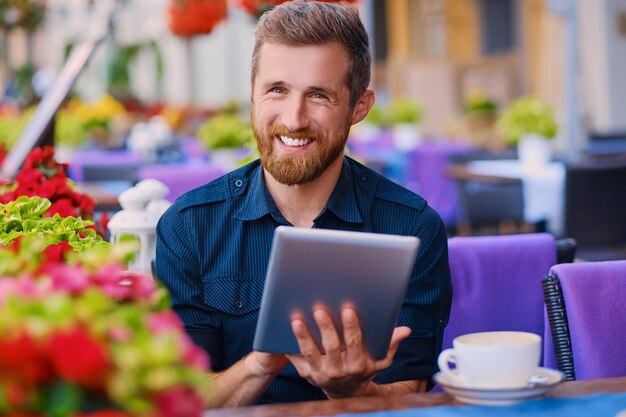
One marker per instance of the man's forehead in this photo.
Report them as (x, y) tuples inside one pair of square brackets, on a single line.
[(329, 59)]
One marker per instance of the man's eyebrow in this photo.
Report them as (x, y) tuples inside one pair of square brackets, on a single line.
[(272, 84), (324, 90)]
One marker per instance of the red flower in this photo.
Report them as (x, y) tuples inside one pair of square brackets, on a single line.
[(188, 18), (24, 359), (63, 207), (258, 7), (15, 245), (76, 356), (56, 252), (42, 176), (104, 413)]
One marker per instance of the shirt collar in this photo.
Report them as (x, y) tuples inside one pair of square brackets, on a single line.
[(342, 202)]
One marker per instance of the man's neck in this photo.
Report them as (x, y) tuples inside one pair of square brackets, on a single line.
[(300, 204)]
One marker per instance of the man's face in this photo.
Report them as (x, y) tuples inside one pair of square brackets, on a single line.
[(301, 112)]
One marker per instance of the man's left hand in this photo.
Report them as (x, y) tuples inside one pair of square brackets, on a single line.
[(340, 372)]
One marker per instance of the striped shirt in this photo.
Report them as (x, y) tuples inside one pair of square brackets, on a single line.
[(213, 247)]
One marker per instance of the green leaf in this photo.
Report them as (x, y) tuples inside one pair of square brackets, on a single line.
[(62, 399)]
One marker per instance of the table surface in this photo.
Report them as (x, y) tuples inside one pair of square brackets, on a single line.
[(398, 402)]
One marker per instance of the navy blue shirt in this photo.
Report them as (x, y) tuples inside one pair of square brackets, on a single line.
[(213, 247)]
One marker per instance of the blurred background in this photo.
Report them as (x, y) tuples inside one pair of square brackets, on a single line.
[(458, 82)]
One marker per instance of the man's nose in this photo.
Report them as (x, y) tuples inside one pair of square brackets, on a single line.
[(294, 115)]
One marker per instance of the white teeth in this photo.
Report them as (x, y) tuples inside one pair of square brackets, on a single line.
[(294, 142)]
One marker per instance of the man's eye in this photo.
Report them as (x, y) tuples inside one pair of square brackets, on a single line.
[(318, 96), (277, 90)]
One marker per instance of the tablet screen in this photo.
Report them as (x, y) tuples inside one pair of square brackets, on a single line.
[(332, 268)]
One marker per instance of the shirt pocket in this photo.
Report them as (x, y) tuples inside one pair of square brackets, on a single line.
[(233, 295)]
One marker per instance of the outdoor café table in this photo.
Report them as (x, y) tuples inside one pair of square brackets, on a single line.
[(542, 187), (596, 398)]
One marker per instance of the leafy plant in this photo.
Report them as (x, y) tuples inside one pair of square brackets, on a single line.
[(25, 216), (225, 131), (69, 130), (378, 116), (405, 110), (527, 115), (478, 103)]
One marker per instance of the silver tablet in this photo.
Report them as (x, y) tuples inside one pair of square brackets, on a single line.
[(309, 267)]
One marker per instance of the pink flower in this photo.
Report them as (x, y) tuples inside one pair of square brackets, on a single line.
[(123, 285), (119, 334), (141, 287), (178, 402), (66, 277), (194, 355), (163, 321)]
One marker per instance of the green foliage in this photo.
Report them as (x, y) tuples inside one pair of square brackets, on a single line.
[(400, 110), (479, 104), (405, 110), (25, 217), (378, 116), (10, 129), (69, 130), (119, 77), (225, 131), (527, 115)]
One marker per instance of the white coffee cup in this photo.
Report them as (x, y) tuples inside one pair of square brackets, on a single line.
[(493, 360)]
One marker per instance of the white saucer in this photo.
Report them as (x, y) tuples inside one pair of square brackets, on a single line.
[(542, 381)]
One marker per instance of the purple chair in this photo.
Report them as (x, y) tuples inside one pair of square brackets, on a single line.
[(104, 165), (496, 283), (426, 173), (180, 178), (193, 149), (585, 335)]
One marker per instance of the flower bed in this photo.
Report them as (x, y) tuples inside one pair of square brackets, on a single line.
[(79, 334)]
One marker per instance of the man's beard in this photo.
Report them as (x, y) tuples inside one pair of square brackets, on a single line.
[(291, 169)]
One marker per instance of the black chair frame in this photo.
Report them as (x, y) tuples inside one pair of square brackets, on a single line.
[(559, 326)]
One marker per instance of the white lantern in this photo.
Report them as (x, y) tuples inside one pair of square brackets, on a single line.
[(134, 222)]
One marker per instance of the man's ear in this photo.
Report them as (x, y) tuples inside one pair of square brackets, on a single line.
[(363, 106)]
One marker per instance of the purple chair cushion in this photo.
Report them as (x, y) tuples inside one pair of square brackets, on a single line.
[(594, 295), (180, 178), (496, 283), (427, 175)]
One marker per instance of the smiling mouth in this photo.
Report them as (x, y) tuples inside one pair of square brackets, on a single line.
[(294, 142)]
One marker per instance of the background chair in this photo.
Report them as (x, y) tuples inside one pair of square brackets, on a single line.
[(585, 333), (496, 284), (180, 178), (111, 173), (488, 206), (594, 207)]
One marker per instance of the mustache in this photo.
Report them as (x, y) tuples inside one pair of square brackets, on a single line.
[(281, 130)]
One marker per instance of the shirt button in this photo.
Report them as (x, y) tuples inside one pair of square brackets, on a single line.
[(363, 177), (238, 183), (239, 304)]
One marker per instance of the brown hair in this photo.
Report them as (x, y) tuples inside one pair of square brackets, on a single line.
[(315, 23)]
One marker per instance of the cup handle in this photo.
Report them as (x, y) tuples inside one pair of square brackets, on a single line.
[(445, 358)]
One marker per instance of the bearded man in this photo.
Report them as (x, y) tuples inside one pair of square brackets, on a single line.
[(310, 76)]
